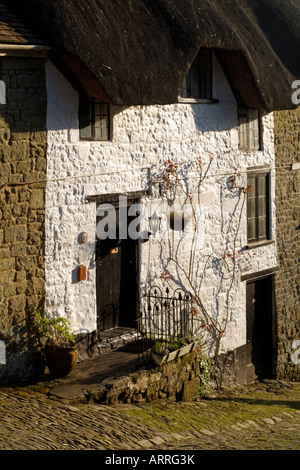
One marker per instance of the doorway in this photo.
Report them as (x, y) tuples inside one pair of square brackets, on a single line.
[(259, 328), (117, 278)]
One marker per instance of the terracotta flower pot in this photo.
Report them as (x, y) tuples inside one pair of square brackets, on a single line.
[(60, 360)]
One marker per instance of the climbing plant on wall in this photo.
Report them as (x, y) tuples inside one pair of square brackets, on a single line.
[(180, 188)]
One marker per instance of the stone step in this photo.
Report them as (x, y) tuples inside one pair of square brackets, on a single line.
[(115, 339)]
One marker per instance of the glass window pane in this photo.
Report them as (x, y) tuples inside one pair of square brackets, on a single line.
[(101, 128), (85, 130), (193, 81), (93, 119), (251, 140), (262, 206), (205, 73), (198, 82), (253, 117), (251, 208), (97, 106), (251, 230), (257, 208), (254, 128), (249, 129), (252, 187), (256, 144), (243, 129), (101, 109), (195, 86), (184, 93), (85, 114), (262, 228), (85, 109), (101, 121), (243, 132), (262, 185)]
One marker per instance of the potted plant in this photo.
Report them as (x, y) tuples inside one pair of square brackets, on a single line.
[(167, 350), (56, 340)]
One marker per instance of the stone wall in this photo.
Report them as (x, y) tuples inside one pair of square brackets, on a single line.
[(176, 380), (22, 209), (287, 280)]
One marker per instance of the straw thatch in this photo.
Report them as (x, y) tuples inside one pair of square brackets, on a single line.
[(138, 51)]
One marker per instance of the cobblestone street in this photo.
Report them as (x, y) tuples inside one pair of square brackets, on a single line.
[(264, 416), (149, 230)]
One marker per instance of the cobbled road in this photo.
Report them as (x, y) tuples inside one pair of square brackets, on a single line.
[(264, 418)]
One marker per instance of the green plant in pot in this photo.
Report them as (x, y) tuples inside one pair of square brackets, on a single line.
[(162, 347), (56, 339)]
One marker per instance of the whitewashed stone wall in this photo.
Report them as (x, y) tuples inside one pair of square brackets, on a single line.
[(145, 137)]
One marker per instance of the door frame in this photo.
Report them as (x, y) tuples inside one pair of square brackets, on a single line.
[(268, 274), (113, 198)]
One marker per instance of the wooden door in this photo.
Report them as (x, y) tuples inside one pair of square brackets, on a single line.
[(259, 329), (116, 281)]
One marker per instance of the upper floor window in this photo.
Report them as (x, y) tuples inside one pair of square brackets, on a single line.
[(258, 214), (249, 129), (198, 82), (93, 119)]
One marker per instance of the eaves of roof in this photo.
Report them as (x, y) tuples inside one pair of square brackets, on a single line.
[(16, 36)]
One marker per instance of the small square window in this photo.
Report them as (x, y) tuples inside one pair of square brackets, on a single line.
[(198, 82), (93, 119), (249, 129), (258, 217)]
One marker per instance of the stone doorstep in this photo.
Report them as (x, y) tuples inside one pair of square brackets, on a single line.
[(108, 387), (114, 342)]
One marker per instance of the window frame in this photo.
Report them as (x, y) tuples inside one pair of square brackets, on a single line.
[(202, 98), (92, 103), (259, 239), (244, 113)]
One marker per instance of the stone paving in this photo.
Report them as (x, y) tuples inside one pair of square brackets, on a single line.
[(33, 419), (245, 435), (89, 375)]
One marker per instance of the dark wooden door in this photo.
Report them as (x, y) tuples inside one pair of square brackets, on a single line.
[(259, 329), (116, 281)]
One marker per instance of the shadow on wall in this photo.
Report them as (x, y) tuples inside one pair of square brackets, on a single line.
[(23, 142), (218, 116), (20, 357)]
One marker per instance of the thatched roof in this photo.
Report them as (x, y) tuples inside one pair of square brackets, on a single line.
[(139, 51), (13, 31)]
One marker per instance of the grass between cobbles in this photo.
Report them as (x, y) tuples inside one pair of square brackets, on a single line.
[(218, 409)]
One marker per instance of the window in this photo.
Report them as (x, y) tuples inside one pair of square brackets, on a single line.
[(93, 119), (249, 129), (198, 82), (258, 218)]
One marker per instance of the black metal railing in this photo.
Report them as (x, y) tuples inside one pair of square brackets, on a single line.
[(165, 315)]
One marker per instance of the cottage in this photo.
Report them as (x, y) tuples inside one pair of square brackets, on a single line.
[(138, 166)]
